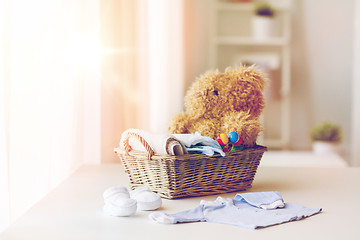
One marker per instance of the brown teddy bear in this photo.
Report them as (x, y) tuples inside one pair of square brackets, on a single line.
[(224, 102)]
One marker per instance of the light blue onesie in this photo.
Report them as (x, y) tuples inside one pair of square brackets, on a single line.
[(248, 210)]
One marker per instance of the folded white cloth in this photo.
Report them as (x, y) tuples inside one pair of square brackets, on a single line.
[(120, 203), (160, 143)]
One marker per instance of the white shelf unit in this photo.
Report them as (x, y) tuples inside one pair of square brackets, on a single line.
[(230, 40), (231, 36)]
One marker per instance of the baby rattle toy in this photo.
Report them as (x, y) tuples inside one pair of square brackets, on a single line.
[(223, 140), (233, 139)]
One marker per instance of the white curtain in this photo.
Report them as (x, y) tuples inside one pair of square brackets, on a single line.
[(143, 70), (56, 110), (4, 180), (49, 97), (165, 61)]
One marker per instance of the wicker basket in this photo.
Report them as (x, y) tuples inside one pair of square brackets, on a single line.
[(190, 175)]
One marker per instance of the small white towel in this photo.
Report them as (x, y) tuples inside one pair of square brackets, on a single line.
[(160, 143)]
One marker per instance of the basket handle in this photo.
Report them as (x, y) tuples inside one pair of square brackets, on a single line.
[(145, 144)]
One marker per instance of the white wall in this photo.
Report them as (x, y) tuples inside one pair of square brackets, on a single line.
[(196, 34), (322, 62), (321, 67), (355, 150)]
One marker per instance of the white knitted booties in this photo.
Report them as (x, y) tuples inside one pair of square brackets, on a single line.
[(146, 200), (120, 203)]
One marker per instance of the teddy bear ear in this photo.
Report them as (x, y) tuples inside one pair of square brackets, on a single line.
[(256, 76), (210, 74)]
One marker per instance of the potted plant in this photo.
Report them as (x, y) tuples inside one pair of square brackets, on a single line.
[(263, 21), (326, 138)]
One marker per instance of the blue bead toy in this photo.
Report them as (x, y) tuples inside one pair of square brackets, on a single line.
[(235, 139)]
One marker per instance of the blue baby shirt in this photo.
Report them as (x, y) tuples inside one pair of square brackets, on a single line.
[(195, 143), (248, 210)]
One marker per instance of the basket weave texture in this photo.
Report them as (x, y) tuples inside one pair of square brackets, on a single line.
[(190, 175)]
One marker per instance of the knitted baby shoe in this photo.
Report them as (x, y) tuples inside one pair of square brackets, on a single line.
[(118, 202), (146, 200)]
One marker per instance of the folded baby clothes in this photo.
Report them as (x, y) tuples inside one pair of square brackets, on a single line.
[(160, 143), (239, 212), (196, 143)]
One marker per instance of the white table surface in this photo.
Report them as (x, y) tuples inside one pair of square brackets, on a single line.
[(74, 209), (301, 159)]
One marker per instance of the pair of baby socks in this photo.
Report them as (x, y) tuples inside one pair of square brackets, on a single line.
[(119, 202)]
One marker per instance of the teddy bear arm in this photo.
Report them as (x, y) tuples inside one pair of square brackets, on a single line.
[(180, 123), (245, 126)]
